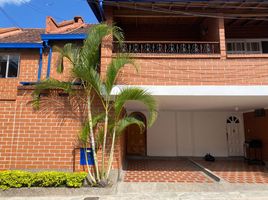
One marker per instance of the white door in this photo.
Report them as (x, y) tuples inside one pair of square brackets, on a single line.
[(233, 136)]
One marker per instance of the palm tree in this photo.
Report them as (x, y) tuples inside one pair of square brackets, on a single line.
[(112, 121)]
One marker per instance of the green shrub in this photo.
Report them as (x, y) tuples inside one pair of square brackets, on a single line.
[(75, 179), (17, 179), (50, 179)]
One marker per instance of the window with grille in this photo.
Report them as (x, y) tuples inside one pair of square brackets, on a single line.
[(246, 47)]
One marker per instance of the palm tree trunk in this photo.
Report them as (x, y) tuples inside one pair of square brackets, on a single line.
[(111, 157), (104, 140), (92, 139), (88, 169)]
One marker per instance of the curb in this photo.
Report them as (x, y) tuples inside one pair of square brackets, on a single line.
[(207, 171)]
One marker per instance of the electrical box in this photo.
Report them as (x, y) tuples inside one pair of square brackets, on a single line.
[(86, 152)]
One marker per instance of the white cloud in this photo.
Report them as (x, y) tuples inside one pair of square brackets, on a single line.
[(16, 2)]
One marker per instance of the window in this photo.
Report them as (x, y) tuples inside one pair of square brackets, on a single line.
[(9, 66), (264, 45), (246, 47), (232, 119)]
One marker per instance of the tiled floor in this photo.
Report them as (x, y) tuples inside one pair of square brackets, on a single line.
[(237, 171), (163, 171)]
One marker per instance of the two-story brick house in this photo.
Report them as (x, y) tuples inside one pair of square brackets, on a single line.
[(206, 64), (204, 61)]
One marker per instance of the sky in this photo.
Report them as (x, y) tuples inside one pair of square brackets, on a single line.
[(32, 13)]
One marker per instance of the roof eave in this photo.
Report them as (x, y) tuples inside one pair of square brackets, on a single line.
[(96, 7), (80, 36), (21, 45)]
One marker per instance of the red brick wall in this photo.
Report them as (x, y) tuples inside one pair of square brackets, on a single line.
[(221, 69), (198, 71), (42, 139), (29, 60)]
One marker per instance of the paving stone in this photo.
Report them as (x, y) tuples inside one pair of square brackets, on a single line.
[(237, 171), (164, 171)]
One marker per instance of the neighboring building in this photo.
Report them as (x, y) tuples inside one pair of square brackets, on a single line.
[(205, 62), (30, 139)]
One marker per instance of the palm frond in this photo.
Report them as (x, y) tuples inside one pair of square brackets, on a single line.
[(114, 67), (123, 123), (47, 85), (90, 53), (97, 119), (99, 137), (89, 77), (84, 134), (140, 95), (69, 51)]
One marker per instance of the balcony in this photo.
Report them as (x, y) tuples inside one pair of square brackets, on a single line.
[(168, 47)]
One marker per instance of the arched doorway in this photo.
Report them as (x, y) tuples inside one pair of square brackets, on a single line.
[(136, 143), (233, 136)]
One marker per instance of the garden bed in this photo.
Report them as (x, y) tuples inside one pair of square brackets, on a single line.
[(18, 179)]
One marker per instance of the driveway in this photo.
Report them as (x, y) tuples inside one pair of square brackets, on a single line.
[(163, 170), (237, 171)]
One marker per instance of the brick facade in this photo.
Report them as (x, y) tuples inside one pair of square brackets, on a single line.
[(47, 139), (187, 69), (44, 139), (196, 71)]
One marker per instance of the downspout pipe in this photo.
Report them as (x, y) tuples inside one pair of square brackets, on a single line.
[(49, 59), (101, 10), (40, 64)]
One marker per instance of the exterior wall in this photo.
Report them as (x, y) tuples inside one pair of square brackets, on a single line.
[(196, 71), (44, 139), (28, 68), (181, 69), (191, 133), (257, 128)]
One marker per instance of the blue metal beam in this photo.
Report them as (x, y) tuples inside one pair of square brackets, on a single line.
[(46, 37), (21, 45)]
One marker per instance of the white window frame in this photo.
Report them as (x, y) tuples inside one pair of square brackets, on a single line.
[(245, 41), (7, 66)]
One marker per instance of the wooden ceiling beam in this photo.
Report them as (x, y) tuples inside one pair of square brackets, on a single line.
[(246, 22), (231, 22)]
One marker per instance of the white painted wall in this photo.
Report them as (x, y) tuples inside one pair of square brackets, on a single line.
[(181, 133), (161, 137)]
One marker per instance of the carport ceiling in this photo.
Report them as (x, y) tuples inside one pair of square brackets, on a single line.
[(216, 103)]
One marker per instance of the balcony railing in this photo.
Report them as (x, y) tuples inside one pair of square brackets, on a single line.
[(167, 47)]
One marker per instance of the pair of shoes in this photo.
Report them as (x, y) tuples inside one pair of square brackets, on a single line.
[(209, 157)]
